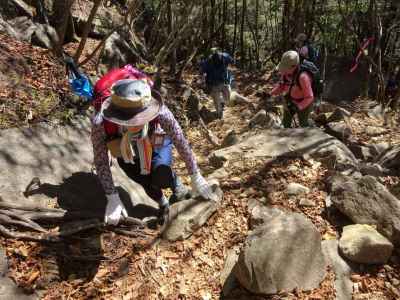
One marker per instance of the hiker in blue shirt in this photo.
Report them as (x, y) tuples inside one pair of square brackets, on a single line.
[(218, 78)]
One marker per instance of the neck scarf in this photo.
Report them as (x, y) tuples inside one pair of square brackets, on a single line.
[(135, 136)]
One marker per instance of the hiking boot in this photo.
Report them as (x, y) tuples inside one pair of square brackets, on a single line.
[(181, 192)]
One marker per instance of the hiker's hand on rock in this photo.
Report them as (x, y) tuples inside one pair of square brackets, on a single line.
[(202, 187), (114, 210)]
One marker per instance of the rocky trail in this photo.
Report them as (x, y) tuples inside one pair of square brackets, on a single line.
[(290, 200), (266, 187)]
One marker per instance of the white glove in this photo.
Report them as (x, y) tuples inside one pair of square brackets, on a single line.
[(202, 187), (115, 208)]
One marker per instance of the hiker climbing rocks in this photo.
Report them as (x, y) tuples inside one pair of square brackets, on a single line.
[(305, 49), (297, 83), (218, 78), (136, 127)]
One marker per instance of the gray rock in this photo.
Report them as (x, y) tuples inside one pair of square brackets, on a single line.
[(376, 112), (259, 119), (260, 214), (338, 115), (230, 139), (362, 152), (282, 255), (62, 158), (390, 159), (14, 8), (306, 202), (187, 216), (296, 142), (7, 28), (380, 148), (118, 52), (375, 131), (363, 244), (237, 99), (44, 36), (296, 189), (366, 201), (342, 269), (339, 130), (23, 27), (8, 290), (265, 120), (227, 278), (375, 170)]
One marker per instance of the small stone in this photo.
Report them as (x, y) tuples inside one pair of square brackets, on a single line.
[(306, 202), (363, 244), (296, 189), (259, 118), (388, 268), (356, 288), (230, 139), (395, 282)]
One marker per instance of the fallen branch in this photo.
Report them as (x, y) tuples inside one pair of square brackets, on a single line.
[(6, 220), (32, 225), (209, 135)]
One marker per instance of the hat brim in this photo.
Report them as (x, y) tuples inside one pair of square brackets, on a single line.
[(111, 114)]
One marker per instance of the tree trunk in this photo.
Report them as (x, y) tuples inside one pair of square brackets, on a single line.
[(235, 29), (86, 29), (242, 45), (63, 11)]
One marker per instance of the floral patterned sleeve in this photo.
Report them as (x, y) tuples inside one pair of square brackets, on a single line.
[(172, 128), (101, 160)]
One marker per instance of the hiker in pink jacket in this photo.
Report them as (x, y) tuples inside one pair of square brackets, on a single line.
[(297, 86)]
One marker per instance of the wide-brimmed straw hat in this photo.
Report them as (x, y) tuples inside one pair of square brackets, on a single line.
[(131, 103), (289, 60)]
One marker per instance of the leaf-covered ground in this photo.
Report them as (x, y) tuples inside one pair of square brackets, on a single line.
[(109, 266)]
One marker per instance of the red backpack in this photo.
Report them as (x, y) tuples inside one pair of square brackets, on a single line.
[(102, 89)]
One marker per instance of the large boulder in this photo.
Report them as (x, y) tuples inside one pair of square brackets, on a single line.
[(187, 216), (23, 27), (282, 255), (363, 244), (62, 158), (45, 36), (342, 269), (227, 278), (339, 130), (11, 9), (296, 142), (7, 28), (118, 52), (367, 201), (390, 159)]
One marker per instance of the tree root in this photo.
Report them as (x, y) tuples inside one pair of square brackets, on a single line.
[(71, 222)]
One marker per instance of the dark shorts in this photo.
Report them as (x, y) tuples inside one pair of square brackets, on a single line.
[(161, 176)]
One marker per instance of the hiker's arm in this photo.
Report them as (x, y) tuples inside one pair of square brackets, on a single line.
[(172, 128), (101, 160), (281, 87), (306, 87)]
